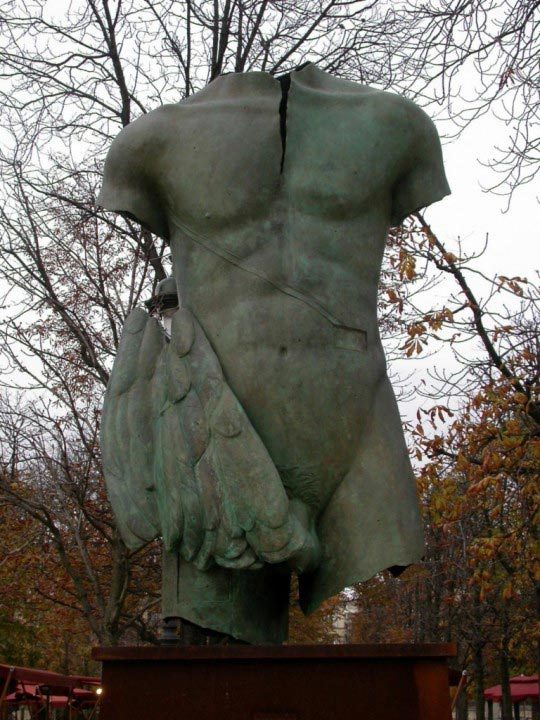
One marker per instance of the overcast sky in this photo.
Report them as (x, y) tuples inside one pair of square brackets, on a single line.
[(470, 213)]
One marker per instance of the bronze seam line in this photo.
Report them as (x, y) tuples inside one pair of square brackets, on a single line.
[(233, 259)]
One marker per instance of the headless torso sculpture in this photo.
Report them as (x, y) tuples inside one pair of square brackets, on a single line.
[(265, 438)]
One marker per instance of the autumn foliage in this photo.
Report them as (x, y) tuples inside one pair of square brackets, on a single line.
[(476, 445), (70, 274)]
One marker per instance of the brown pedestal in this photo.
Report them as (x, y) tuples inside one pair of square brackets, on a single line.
[(316, 682)]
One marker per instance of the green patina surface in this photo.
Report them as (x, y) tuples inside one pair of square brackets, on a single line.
[(265, 438)]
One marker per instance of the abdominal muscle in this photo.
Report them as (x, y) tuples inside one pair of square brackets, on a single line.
[(307, 385)]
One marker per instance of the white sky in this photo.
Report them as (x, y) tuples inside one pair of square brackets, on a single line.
[(470, 213)]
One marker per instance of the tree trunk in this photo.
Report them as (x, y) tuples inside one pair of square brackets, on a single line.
[(504, 660), (65, 665), (478, 660), (535, 702), (462, 706)]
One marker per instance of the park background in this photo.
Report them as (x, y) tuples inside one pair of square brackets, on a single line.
[(458, 310)]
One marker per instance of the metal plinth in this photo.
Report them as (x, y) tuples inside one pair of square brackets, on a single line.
[(317, 682)]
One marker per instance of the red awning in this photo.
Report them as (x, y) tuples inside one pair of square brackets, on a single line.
[(522, 687), (18, 698), (27, 686), (44, 677), (83, 698), (79, 698)]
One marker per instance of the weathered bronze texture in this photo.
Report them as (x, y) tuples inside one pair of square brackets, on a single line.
[(371, 682), (265, 437)]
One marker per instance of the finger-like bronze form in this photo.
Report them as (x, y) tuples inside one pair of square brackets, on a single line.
[(183, 460)]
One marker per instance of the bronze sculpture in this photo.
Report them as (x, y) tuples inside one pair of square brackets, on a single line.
[(264, 437)]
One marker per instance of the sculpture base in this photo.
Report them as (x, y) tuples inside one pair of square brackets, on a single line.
[(316, 682)]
